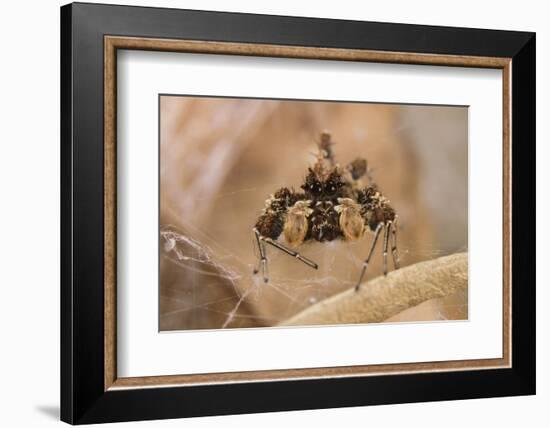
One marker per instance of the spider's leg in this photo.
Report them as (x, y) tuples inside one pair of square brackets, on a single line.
[(367, 260), (262, 262), (394, 253), (290, 252), (385, 253), (260, 253)]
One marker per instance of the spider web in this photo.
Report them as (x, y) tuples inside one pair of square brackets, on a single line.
[(210, 286), (229, 291)]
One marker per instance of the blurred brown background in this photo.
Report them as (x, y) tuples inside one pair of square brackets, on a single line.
[(221, 158)]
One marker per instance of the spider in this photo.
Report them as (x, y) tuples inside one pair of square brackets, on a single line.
[(333, 204)]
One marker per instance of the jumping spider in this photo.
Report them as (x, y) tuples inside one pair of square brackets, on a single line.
[(334, 204)]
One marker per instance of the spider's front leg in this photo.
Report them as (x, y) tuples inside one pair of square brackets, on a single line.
[(285, 212), (394, 253), (378, 214), (353, 222), (284, 249), (371, 251), (263, 255), (389, 228), (262, 261)]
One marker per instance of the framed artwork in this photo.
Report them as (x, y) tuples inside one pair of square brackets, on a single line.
[(265, 213)]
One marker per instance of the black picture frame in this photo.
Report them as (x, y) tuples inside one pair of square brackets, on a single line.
[(83, 396)]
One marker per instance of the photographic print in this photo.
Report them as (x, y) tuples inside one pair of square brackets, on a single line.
[(277, 212), (322, 200)]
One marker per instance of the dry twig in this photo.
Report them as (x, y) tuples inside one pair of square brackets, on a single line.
[(384, 297)]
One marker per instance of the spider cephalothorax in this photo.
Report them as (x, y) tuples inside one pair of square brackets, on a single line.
[(334, 204)]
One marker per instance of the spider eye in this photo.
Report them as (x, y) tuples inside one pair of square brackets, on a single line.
[(315, 188), (332, 188)]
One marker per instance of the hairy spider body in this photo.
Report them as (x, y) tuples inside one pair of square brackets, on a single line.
[(334, 204), (323, 223)]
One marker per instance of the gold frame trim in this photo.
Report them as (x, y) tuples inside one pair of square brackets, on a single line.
[(112, 43)]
